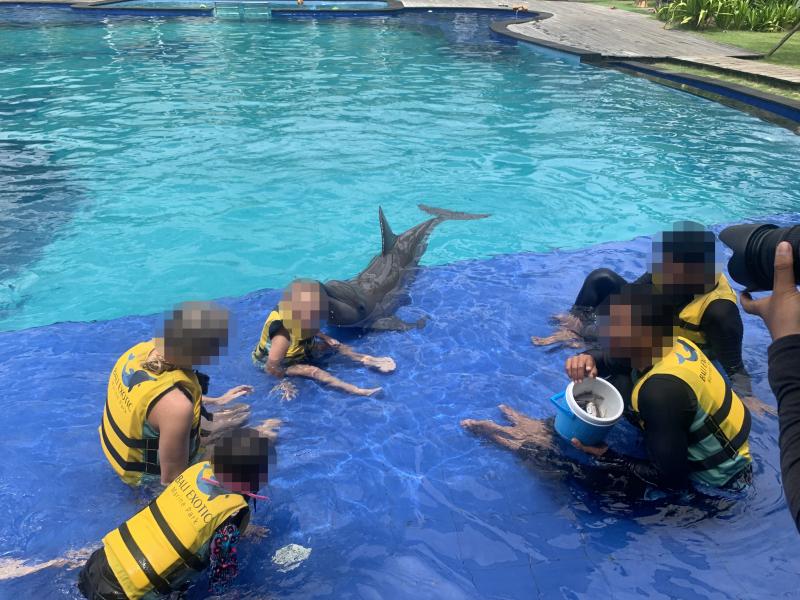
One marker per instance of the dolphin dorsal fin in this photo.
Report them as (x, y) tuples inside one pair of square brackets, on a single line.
[(388, 237)]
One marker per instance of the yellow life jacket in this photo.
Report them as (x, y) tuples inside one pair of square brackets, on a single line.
[(299, 349), (718, 436), (131, 392), (165, 545), (689, 318)]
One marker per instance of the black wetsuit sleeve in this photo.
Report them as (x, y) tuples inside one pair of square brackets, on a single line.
[(784, 379), (723, 329), (667, 407), (644, 278)]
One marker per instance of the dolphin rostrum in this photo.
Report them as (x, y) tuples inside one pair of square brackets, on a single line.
[(370, 298)]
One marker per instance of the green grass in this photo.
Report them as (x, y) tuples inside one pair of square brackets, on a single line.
[(786, 92), (623, 5), (788, 54)]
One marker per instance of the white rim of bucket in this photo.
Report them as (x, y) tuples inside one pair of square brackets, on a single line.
[(587, 418)]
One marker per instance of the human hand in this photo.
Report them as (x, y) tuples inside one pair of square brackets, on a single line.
[(256, 531), (580, 366), (286, 389), (332, 342), (596, 451), (384, 364), (269, 428), (234, 393), (781, 310)]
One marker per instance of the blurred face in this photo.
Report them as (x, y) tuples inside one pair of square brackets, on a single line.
[(241, 461), (684, 277), (693, 271), (305, 308), (625, 337), (194, 333)]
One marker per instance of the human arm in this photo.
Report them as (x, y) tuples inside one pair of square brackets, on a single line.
[(723, 329), (279, 346), (784, 379), (229, 396), (383, 364), (172, 417), (781, 313), (323, 376), (666, 407)]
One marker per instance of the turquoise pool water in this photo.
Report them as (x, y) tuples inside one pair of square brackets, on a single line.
[(246, 4), (144, 161), (196, 158)]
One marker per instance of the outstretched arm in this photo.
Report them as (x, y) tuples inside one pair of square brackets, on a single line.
[(384, 364), (323, 376), (229, 396)]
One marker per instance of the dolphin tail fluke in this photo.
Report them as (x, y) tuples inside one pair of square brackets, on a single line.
[(450, 215), (388, 237)]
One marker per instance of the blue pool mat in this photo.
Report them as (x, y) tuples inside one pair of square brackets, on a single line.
[(392, 497)]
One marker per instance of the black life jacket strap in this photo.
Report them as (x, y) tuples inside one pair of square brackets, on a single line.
[(730, 448), (189, 559), (144, 563), (133, 467), (711, 424)]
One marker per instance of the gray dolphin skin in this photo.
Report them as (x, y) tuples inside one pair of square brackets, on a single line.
[(369, 299)]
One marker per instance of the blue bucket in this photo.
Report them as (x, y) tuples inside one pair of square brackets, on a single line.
[(573, 422)]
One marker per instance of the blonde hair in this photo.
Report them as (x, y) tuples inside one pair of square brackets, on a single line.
[(157, 365)]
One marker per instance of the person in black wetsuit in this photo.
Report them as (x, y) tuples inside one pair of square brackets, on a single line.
[(781, 313), (695, 427), (701, 300)]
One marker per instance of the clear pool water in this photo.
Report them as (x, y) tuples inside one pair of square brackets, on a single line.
[(144, 161), (148, 160), (245, 4)]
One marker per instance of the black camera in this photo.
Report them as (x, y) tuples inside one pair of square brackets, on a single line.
[(753, 260)]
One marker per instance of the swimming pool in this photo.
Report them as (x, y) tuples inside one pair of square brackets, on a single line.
[(146, 161)]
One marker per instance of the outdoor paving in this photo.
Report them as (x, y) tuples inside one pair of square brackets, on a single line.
[(617, 33), (784, 74)]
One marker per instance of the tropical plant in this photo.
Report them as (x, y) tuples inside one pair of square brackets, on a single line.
[(755, 15)]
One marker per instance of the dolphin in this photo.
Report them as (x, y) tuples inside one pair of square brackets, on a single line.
[(369, 299)]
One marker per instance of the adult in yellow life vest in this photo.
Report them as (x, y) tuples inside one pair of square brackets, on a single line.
[(695, 426), (193, 525), (151, 423), (291, 340), (702, 303)]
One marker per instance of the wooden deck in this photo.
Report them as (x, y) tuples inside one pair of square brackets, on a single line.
[(778, 73)]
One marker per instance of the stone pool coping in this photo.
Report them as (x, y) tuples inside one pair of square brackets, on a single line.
[(779, 110)]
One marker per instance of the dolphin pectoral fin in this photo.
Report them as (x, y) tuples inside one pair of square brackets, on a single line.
[(388, 237), (396, 324), (451, 215)]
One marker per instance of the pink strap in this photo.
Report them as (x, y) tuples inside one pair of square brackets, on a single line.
[(216, 483)]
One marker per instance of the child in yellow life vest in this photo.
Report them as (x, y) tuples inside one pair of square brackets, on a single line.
[(193, 525), (291, 339)]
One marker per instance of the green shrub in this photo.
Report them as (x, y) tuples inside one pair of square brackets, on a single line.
[(753, 15)]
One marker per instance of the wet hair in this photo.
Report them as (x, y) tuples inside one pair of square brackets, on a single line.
[(244, 455), (687, 242)]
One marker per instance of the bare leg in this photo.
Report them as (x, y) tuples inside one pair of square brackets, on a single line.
[(570, 338), (323, 376), (11, 568), (758, 407), (524, 430)]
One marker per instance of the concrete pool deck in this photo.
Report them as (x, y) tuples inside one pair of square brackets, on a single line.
[(598, 31)]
